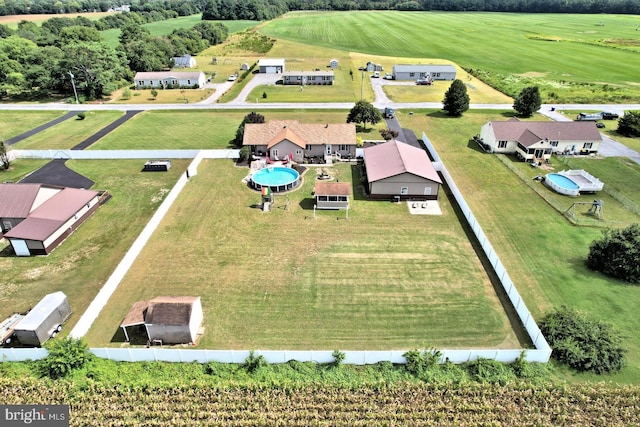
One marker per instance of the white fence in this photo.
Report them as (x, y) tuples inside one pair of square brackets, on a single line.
[(541, 353)]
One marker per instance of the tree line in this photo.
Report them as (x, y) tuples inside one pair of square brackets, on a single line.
[(40, 61), (54, 7)]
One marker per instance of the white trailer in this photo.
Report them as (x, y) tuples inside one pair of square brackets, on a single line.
[(44, 320)]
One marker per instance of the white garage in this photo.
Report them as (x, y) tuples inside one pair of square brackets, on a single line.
[(271, 66)]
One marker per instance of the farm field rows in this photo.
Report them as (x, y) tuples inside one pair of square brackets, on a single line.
[(383, 279)]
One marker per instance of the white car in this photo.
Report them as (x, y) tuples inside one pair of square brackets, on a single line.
[(388, 76), (232, 77)]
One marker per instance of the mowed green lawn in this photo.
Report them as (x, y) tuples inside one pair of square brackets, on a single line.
[(204, 129), (550, 50), (14, 123), (69, 133), (383, 279), (543, 253), (83, 262)]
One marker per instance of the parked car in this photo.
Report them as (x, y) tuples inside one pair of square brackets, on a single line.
[(376, 74), (232, 77), (388, 76), (600, 125), (423, 82), (389, 113), (606, 115)]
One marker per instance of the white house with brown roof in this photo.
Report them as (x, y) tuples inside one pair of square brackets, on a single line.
[(166, 320), (536, 141), (303, 78), (169, 79), (36, 218), (398, 170), (332, 195), (289, 139)]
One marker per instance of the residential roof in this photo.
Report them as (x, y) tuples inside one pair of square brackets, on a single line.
[(332, 189), (147, 75), (52, 214), (394, 158), (307, 73), (170, 310), (135, 316), (16, 200), (438, 68), (304, 133), (270, 62), (528, 133)]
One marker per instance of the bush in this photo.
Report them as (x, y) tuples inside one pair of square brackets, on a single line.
[(490, 371), (418, 362), (338, 357), (244, 153), (65, 356), (81, 116), (253, 362), (617, 254), (583, 343)]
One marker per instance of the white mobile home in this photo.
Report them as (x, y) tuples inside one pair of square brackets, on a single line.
[(170, 79), (421, 71)]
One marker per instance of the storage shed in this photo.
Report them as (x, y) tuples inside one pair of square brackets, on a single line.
[(399, 171), (157, 165), (332, 195), (184, 61), (271, 66), (333, 63), (166, 320), (44, 320)]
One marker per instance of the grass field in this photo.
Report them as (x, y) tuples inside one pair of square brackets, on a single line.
[(579, 58), (14, 123), (383, 279), (543, 253), (69, 133), (83, 262), (205, 129), (168, 96)]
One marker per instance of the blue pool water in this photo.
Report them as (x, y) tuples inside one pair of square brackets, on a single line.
[(277, 178), (562, 181)]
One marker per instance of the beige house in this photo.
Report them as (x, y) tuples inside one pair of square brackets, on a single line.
[(399, 171), (536, 141), (332, 195), (289, 139), (36, 218)]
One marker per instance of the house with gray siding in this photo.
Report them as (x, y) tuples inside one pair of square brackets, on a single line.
[(421, 71), (169, 79), (303, 78), (537, 141), (395, 170), (289, 139)]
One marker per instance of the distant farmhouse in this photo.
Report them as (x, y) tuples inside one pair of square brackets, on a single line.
[(307, 78), (36, 218), (421, 71), (270, 66), (297, 141), (170, 79), (395, 170), (184, 61), (538, 140), (373, 67)]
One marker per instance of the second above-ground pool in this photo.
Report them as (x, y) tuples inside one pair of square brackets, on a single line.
[(561, 184), (276, 178)]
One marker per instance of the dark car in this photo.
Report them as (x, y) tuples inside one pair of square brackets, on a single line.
[(609, 116), (600, 125)]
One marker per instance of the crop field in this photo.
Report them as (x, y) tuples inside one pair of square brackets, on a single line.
[(70, 132), (580, 58), (12, 20), (543, 253), (381, 279), (83, 262), (14, 123)]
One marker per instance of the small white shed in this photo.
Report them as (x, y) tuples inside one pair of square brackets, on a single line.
[(334, 63)]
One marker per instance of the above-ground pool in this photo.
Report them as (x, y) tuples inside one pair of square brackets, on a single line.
[(561, 184), (276, 178)]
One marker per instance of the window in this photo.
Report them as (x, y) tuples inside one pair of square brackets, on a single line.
[(344, 147), (502, 144), (188, 82), (333, 198), (412, 74), (587, 145), (427, 191), (436, 75), (322, 198), (342, 198), (298, 151), (274, 153), (554, 143), (6, 225), (140, 83), (404, 190), (307, 147)]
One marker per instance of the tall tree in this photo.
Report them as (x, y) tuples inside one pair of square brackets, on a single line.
[(4, 158), (617, 254), (528, 102), (456, 99), (629, 124), (364, 112)]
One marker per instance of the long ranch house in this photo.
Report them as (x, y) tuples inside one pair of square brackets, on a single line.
[(536, 141), (170, 79), (290, 139), (421, 71), (303, 78)]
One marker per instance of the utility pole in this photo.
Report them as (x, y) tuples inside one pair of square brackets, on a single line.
[(74, 87)]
